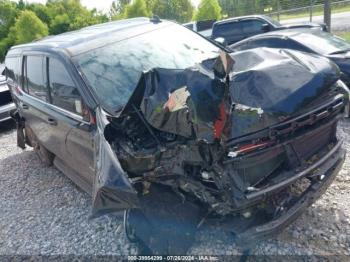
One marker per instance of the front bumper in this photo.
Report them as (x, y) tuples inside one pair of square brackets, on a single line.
[(5, 111), (328, 168)]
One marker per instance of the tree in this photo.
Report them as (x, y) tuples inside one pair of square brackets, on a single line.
[(136, 9), (179, 10), (29, 27), (41, 11), (69, 15), (58, 15), (8, 13), (118, 8), (207, 10)]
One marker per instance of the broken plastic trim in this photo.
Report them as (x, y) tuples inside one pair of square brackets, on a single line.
[(177, 123)]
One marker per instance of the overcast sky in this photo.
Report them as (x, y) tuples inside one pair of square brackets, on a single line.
[(102, 5)]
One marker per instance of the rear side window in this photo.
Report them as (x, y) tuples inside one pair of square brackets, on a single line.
[(228, 29), (64, 93), (35, 80), (252, 26)]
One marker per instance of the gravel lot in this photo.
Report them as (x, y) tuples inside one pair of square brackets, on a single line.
[(44, 213)]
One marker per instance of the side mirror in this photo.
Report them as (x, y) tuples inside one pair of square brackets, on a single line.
[(265, 28), (221, 41)]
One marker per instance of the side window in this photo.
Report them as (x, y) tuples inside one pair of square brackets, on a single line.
[(64, 94), (268, 42), (228, 29), (12, 68), (252, 26), (35, 80)]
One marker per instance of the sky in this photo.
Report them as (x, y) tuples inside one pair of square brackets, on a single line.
[(102, 5)]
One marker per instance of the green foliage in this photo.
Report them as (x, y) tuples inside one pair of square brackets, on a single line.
[(137, 8), (60, 24), (8, 13), (117, 9), (29, 27), (66, 15), (208, 9), (178, 10), (41, 11)]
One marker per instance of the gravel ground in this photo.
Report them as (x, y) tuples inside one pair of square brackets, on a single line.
[(43, 212)]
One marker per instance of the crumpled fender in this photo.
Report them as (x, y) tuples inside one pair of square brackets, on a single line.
[(220, 99), (112, 190)]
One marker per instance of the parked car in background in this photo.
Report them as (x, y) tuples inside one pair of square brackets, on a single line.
[(310, 41), (238, 28), (6, 104), (149, 117), (201, 27)]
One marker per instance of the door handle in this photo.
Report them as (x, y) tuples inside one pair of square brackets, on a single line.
[(25, 106), (52, 121)]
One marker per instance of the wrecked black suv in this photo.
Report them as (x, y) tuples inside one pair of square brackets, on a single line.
[(149, 117)]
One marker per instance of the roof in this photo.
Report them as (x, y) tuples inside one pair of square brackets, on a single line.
[(87, 38), (228, 20)]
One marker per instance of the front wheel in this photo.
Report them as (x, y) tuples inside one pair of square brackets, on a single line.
[(164, 224)]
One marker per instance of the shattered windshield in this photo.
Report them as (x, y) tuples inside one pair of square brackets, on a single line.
[(113, 71)]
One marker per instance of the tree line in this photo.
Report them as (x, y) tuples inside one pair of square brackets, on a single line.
[(21, 22)]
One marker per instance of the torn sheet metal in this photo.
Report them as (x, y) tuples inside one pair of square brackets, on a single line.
[(174, 118), (189, 102), (112, 190)]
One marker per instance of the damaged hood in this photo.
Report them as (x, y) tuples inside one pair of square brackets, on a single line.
[(213, 101)]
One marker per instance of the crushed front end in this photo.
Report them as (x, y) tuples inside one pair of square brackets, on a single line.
[(250, 146)]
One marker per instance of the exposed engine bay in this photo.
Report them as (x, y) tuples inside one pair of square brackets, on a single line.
[(234, 142), (179, 129)]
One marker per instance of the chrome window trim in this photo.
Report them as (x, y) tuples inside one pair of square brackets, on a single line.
[(56, 108)]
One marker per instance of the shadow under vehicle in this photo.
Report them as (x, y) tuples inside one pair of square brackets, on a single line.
[(6, 104), (149, 117)]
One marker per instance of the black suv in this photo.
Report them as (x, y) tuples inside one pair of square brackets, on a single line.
[(150, 117), (238, 28)]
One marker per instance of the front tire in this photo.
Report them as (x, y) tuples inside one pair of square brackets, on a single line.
[(164, 224)]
